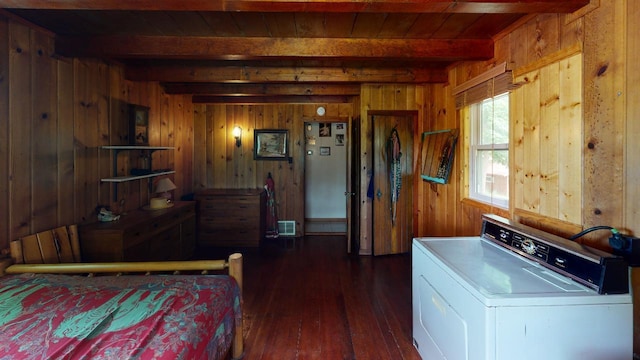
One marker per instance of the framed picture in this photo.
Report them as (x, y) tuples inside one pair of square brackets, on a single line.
[(325, 129), (138, 125), (339, 139), (325, 151), (270, 144)]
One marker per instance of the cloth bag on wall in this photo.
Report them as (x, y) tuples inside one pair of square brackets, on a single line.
[(272, 217)]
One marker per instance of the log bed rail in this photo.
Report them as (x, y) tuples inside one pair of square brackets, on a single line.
[(233, 265)]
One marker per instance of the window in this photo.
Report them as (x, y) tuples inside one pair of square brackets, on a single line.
[(489, 150), (483, 102)]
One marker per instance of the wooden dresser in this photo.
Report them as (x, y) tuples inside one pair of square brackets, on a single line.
[(231, 217), (142, 235)]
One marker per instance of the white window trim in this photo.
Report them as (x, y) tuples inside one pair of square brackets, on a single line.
[(475, 113)]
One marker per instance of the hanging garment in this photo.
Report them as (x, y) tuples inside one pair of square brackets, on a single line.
[(272, 218), (395, 170)]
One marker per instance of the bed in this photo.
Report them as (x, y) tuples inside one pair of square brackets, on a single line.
[(109, 311)]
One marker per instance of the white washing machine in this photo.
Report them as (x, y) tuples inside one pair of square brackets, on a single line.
[(516, 293)]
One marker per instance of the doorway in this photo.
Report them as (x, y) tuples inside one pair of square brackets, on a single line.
[(326, 152)]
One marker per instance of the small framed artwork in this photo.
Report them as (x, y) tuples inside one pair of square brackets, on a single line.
[(325, 151), (138, 125), (270, 144), (339, 139), (325, 129)]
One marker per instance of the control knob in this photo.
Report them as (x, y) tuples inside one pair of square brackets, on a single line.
[(529, 246)]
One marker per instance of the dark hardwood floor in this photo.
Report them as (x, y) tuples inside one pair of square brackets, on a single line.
[(315, 301)]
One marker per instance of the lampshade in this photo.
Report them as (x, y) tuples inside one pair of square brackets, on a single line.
[(164, 185)]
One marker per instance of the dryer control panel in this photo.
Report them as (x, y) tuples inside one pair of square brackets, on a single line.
[(599, 270)]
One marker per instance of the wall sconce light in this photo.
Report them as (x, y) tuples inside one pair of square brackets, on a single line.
[(237, 134)]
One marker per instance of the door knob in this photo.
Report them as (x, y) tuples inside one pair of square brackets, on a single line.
[(379, 194)]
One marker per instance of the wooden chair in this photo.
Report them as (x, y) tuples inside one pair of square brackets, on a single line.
[(59, 245)]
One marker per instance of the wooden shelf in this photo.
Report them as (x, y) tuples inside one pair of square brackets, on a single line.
[(119, 179), (135, 147)]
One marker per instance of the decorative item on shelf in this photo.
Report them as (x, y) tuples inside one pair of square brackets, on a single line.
[(237, 134), (163, 188), (138, 125)]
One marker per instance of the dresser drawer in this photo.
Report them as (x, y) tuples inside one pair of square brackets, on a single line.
[(134, 236), (231, 212), (231, 223), (165, 245), (142, 235), (232, 217), (223, 200), (136, 252)]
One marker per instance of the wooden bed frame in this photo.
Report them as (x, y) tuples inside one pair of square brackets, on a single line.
[(233, 266)]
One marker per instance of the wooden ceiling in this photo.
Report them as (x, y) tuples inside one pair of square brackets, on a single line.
[(279, 50)]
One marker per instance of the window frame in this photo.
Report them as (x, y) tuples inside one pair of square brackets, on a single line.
[(475, 119)]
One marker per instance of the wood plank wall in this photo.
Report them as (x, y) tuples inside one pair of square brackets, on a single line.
[(219, 164), (547, 126), (55, 115), (374, 98), (590, 179)]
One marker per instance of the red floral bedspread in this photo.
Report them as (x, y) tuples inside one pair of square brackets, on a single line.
[(109, 317)]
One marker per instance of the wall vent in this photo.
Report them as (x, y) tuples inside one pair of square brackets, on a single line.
[(287, 228)]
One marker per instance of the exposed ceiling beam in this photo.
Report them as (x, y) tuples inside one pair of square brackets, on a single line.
[(289, 99), (252, 74), (262, 89), (381, 6), (263, 48)]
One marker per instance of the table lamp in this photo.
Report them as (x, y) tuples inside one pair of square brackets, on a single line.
[(163, 187)]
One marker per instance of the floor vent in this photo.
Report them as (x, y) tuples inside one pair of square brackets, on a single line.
[(287, 228)]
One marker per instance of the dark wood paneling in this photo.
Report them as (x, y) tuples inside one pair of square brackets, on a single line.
[(20, 130), (65, 141), (60, 112), (44, 125)]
